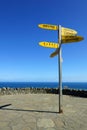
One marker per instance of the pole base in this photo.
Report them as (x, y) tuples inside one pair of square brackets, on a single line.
[(61, 111)]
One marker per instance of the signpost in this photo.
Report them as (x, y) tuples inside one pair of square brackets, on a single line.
[(65, 35)]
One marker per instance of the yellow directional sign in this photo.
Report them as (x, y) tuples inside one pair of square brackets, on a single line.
[(67, 39), (68, 32), (49, 44), (48, 26), (55, 53)]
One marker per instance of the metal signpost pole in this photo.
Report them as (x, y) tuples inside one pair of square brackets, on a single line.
[(60, 71)]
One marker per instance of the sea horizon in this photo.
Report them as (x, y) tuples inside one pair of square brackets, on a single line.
[(33, 84)]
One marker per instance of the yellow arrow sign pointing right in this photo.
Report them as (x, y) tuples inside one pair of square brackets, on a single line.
[(67, 39), (68, 32)]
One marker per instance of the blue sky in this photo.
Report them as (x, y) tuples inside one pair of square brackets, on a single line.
[(22, 59)]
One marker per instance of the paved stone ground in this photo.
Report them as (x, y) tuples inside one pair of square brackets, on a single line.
[(40, 112)]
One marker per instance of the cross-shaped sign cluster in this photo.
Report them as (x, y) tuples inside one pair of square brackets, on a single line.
[(65, 35)]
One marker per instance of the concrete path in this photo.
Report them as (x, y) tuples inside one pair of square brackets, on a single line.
[(40, 112)]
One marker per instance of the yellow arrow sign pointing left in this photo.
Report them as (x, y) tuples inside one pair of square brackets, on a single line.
[(48, 26), (49, 44), (56, 52)]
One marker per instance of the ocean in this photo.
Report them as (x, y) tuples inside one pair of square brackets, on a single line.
[(72, 85)]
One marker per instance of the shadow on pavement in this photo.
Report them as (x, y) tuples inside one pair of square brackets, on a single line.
[(5, 106), (11, 109)]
